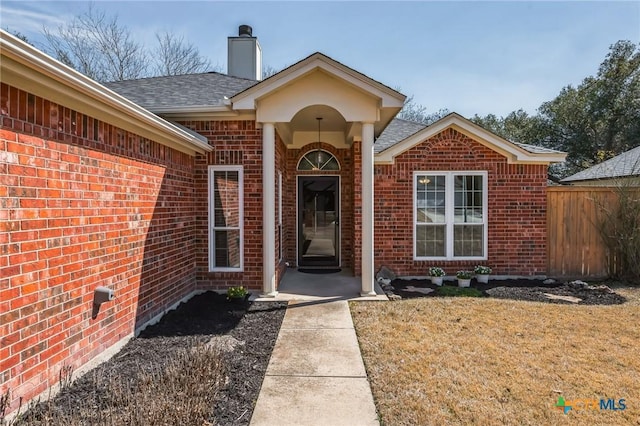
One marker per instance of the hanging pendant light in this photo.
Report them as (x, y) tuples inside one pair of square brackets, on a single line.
[(319, 153)]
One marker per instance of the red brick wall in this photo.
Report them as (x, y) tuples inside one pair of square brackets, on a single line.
[(83, 204), (344, 157), (356, 188), (516, 209), (235, 143)]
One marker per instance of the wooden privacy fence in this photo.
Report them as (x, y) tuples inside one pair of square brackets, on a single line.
[(574, 245)]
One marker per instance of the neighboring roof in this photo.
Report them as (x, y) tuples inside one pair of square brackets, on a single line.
[(515, 152), (397, 131), (623, 165), (27, 68), (169, 93)]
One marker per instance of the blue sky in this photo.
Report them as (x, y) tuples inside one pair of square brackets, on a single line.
[(468, 57)]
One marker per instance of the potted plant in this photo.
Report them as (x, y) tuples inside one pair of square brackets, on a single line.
[(464, 278), (436, 273), (482, 273), (237, 294)]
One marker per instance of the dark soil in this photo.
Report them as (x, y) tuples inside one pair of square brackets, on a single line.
[(191, 324), (517, 289)]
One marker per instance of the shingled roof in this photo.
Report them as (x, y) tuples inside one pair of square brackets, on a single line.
[(625, 164), (397, 130), (159, 94), (181, 91)]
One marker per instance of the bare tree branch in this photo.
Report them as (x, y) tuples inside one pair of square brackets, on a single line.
[(175, 56)]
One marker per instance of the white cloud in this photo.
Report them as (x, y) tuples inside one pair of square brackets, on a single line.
[(30, 20)]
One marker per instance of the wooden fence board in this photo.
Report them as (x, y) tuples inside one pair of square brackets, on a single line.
[(574, 245)]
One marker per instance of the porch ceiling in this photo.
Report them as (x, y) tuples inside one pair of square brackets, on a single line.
[(303, 128)]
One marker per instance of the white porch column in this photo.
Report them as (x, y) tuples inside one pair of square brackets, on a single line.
[(268, 210), (367, 211)]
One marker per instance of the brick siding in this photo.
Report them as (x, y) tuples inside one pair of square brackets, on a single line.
[(516, 209), (83, 204), (235, 143)]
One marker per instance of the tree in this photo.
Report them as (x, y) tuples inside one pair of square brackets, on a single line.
[(517, 126), (268, 71), (596, 120), (19, 35), (175, 56), (600, 118), (412, 111), (98, 46)]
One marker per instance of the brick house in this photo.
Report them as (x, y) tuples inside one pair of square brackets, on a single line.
[(162, 187)]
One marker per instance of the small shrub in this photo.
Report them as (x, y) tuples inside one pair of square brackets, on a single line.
[(451, 291), (619, 226), (463, 275), (436, 271), (236, 292), (482, 270)]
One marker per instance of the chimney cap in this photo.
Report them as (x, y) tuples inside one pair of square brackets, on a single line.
[(245, 31)]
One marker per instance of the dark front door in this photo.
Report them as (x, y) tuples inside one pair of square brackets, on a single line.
[(318, 221)]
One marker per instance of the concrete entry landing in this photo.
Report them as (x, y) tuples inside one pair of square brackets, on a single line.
[(296, 285)]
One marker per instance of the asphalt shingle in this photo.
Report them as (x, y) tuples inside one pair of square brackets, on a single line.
[(397, 131), (625, 164), (180, 91)]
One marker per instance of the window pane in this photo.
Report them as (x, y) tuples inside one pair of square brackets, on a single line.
[(305, 164), (225, 218), (227, 249), (430, 199), (468, 240), (468, 199), (332, 164), (430, 241), (318, 160), (226, 199)]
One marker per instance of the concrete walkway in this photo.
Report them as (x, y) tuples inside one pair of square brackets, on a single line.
[(316, 375)]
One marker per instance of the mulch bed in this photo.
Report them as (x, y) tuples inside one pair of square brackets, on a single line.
[(191, 324), (516, 289)]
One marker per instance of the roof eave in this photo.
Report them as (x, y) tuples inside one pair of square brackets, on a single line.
[(29, 69), (202, 112), (245, 100), (513, 153)]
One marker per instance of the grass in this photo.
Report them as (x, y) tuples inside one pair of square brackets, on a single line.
[(451, 291), (444, 361)]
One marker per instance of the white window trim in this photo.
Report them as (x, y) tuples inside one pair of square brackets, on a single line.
[(211, 171), (449, 213), (280, 214)]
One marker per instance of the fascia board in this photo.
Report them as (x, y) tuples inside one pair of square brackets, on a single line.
[(246, 100), (513, 153), (31, 70)]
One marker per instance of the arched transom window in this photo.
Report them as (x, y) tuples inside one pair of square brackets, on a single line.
[(318, 160)]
